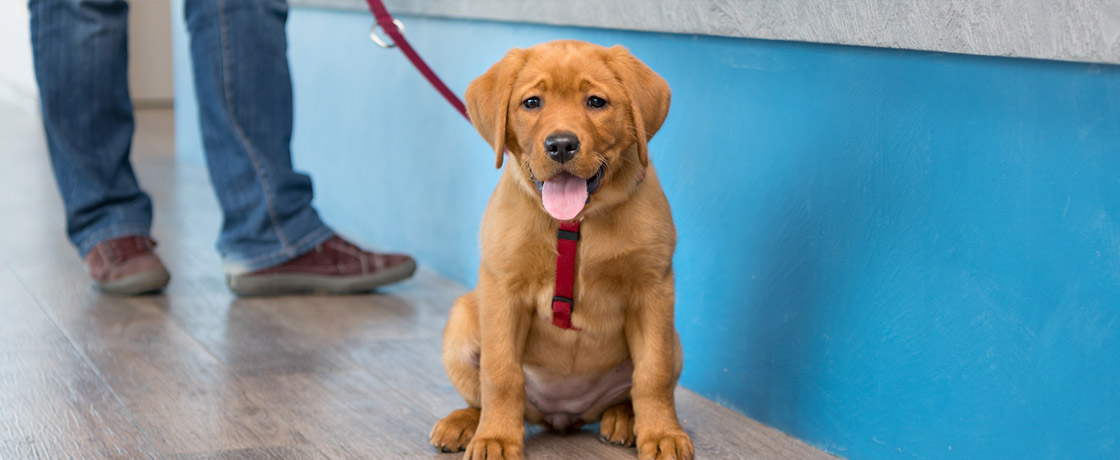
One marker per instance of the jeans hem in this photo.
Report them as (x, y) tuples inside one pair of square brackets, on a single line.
[(284, 254), (86, 243)]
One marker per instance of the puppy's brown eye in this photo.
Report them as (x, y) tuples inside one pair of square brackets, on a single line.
[(531, 103), (596, 102)]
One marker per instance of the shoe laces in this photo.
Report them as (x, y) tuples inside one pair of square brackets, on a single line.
[(128, 247)]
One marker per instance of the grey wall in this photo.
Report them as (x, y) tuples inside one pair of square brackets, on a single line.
[(1070, 30)]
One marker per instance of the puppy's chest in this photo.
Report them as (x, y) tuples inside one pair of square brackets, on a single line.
[(600, 290), (594, 304)]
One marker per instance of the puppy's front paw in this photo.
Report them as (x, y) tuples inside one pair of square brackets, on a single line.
[(671, 445), (452, 433), (495, 448)]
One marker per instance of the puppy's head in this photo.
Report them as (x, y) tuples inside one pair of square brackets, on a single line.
[(575, 117)]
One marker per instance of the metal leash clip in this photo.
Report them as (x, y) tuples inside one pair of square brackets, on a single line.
[(377, 38)]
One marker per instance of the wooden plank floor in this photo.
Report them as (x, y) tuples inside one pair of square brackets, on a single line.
[(198, 373)]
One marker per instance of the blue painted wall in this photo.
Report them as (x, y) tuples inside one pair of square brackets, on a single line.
[(888, 254)]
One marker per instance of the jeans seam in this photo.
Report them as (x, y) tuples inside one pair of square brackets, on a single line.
[(286, 247)]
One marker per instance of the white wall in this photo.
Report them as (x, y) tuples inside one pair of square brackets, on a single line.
[(150, 72), (149, 47), (17, 79)]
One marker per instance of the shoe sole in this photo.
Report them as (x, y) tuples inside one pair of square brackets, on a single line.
[(140, 283), (282, 283)]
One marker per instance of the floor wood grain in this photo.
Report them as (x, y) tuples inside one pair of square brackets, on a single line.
[(196, 373)]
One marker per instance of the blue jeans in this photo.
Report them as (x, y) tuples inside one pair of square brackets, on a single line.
[(239, 52)]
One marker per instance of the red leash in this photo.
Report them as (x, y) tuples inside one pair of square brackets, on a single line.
[(385, 20), (567, 237)]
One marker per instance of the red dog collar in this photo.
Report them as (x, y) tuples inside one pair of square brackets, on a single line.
[(567, 240)]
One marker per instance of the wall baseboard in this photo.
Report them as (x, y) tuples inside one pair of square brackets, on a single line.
[(160, 103)]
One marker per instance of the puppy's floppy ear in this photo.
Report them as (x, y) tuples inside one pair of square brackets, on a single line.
[(648, 93), (488, 100)]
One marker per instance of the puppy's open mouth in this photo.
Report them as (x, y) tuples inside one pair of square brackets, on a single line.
[(565, 194)]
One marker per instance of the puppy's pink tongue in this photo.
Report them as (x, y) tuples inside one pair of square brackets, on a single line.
[(564, 196)]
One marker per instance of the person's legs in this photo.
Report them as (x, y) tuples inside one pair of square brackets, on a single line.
[(272, 239), (80, 49), (239, 50)]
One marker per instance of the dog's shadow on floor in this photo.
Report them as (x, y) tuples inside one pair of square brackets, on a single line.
[(540, 440)]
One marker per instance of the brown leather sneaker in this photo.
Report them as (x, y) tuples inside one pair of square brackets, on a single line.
[(126, 266), (334, 267)]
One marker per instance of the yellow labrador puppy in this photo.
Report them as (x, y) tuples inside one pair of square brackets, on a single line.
[(578, 211)]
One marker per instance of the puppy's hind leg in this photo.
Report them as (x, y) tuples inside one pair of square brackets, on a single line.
[(617, 425), (461, 345), (454, 432)]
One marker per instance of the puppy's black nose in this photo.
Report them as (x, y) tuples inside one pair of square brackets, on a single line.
[(561, 146)]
